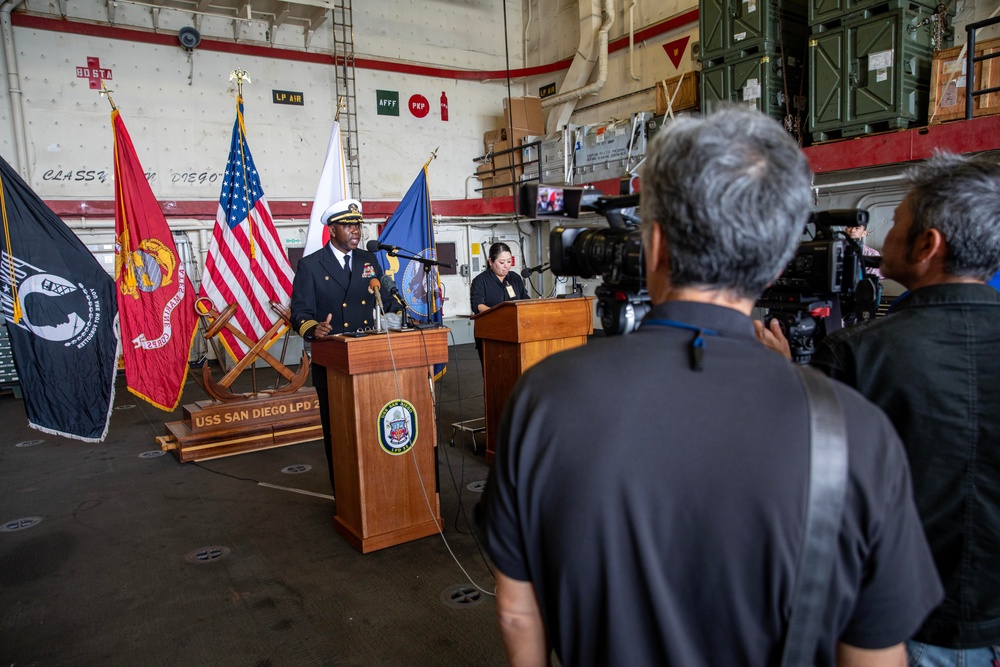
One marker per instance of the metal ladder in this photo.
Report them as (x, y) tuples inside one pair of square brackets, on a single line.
[(343, 53)]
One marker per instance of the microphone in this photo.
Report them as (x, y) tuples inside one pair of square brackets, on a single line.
[(375, 286), (527, 271), (390, 284), (375, 246)]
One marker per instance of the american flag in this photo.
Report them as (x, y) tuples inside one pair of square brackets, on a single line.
[(246, 264)]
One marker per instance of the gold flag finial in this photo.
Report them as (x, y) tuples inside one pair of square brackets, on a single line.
[(434, 154), (106, 92), (341, 106), (240, 75)]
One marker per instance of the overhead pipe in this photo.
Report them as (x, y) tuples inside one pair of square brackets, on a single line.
[(569, 98), (631, 41), (14, 86)]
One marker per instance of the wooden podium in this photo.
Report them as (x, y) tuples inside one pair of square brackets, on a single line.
[(516, 336), (386, 488)]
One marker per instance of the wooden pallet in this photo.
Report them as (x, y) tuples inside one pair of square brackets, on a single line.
[(949, 84)]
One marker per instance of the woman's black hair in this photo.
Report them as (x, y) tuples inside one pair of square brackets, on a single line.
[(496, 249)]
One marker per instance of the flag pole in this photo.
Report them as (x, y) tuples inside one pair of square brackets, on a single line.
[(430, 296), (105, 92), (240, 75), (18, 313)]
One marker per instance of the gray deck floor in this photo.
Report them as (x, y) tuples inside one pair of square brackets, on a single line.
[(105, 575)]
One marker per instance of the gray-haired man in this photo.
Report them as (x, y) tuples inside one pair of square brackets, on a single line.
[(647, 502)]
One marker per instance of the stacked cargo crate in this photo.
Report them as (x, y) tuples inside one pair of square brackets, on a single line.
[(869, 64), (753, 52)]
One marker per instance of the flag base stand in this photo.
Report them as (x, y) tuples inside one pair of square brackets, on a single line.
[(212, 429)]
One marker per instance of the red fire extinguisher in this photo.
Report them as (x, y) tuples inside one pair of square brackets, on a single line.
[(444, 106)]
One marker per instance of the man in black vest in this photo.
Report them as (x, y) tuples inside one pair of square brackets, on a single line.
[(933, 366)]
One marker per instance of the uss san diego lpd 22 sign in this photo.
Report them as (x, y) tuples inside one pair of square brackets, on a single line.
[(397, 427)]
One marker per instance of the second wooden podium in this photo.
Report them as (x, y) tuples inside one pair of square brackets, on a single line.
[(517, 335), (383, 435)]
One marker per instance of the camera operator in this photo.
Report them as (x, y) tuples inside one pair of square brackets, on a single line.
[(933, 366), (646, 503), (859, 233)]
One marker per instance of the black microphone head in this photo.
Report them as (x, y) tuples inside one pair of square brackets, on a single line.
[(525, 272), (388, 282), (372, 246)]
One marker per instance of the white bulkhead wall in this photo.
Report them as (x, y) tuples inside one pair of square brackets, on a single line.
[(179, 108)]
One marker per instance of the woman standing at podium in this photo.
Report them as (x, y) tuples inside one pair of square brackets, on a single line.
[(496, 285)]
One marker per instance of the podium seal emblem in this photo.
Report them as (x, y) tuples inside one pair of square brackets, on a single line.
[(397, 427)]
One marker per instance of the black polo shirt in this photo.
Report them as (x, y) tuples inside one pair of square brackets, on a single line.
[(659, 510), (488, 289)]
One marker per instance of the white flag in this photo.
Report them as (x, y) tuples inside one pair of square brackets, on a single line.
[(333, 187)]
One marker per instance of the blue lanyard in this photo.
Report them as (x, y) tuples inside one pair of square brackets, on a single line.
[(697, 345)]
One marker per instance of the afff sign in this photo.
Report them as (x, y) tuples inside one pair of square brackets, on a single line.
[(387, 102)]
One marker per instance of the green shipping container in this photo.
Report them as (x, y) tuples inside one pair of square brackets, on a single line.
[(731, 29), (837, 11), (756, 81), (871, 74)]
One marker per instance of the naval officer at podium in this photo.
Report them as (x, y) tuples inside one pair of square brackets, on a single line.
[(330, 294)]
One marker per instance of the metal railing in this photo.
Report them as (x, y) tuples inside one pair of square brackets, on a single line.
[(971, 92)]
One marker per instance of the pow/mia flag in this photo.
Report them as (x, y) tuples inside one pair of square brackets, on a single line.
[(61, 316)]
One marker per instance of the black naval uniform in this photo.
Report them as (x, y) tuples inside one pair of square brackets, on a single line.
[(322, 287)]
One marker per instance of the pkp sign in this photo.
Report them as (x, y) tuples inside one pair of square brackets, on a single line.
[(419, 106)]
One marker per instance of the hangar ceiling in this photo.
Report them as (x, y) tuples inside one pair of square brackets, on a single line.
[(306, 15)]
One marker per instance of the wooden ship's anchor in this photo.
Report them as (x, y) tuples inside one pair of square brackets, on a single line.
[(220, 391)]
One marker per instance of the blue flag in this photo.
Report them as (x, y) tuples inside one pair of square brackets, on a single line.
[(410, 230), (61, 317)]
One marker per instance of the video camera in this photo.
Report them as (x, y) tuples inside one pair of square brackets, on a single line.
[(613, 252), (824, 287)]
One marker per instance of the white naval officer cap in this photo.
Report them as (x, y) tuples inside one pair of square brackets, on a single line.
[(346, 212)]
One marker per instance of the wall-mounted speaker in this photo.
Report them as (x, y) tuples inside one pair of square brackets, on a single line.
[(189, 38)]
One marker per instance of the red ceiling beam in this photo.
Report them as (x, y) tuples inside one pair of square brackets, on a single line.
[(25, 20)]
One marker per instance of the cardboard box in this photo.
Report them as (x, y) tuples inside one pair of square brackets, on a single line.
[(683, 99), (493, 193), (508, 176), (484, 171), (524, 113), (949, 83), (501, 159), (493, 137)]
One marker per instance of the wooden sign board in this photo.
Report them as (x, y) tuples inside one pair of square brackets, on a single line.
[(211, 429)]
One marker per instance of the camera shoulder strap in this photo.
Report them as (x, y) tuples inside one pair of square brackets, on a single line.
[(827, 491)]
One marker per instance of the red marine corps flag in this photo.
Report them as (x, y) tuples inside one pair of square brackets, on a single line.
[(155, 295)]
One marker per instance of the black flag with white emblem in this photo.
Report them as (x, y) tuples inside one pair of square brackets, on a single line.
[(59, 305)]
